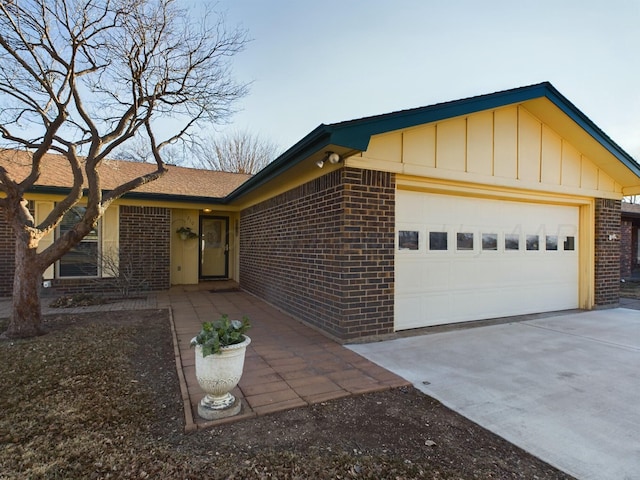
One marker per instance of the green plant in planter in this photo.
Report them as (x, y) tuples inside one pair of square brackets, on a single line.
[(220, 333)]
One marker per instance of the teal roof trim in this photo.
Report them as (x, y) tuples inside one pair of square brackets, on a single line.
[(315, 141), (591, 128), (356, 134)]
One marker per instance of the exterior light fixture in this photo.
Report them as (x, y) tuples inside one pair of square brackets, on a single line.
[(332, 157)]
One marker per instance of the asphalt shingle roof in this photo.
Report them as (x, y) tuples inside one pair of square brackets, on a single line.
[(180, 181)]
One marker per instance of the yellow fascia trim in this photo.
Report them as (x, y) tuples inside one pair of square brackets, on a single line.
[(586, 228)]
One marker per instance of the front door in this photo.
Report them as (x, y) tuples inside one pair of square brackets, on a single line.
[(214, 247)]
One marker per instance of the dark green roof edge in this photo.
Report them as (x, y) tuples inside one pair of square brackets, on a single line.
[(315, 141), (137, 195), (356, 134)]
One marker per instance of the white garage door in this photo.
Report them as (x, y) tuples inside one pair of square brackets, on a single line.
[(464, 258)]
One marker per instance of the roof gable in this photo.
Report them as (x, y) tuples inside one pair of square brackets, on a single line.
[(353, 136)]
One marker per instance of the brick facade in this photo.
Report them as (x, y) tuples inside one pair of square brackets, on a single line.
[(144, 249), (145, 234), (607, 251), (7, 256), (626, 248), (324, 252)]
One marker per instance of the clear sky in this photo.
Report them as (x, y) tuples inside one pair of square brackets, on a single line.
[(327, 61)]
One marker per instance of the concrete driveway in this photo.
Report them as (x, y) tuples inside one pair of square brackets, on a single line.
[(565, 388)]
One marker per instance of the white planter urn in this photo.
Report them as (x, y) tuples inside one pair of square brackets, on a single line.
[(217, 375)]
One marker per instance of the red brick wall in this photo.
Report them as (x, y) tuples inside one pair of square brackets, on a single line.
[(7, 259), (145, 234), (626, 248), (607, 256), (324, 252)]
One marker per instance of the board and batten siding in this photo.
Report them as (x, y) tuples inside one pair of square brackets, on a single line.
[(507, 147)]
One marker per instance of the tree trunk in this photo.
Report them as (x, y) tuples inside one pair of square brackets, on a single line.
[(26, 314)]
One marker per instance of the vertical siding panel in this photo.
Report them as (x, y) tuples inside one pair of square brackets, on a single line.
[(450, 148), (184, 253), (419, 146), (589, 174), (385, 147), (505, 156), (480, 143), (529, 129), (570, 165), (551, 156), (606, 183)]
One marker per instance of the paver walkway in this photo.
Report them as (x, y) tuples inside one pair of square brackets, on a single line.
[(288, 364)]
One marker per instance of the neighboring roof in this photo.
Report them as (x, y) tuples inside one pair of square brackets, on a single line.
[(354, 135), (178, 182), (630, 210)]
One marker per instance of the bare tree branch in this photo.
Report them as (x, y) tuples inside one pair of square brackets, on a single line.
[(82, 78), (238, 151)]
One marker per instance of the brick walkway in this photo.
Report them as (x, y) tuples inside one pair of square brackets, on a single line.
[(288, 364)]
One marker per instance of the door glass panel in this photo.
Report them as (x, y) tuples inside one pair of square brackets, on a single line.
[(213, 247)]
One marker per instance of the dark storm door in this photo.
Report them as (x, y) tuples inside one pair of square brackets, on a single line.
[(214, 247)]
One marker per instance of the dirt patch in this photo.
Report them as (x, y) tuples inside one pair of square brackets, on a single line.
[(98, 397), (77, 300)]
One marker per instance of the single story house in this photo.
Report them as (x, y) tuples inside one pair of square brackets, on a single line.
[(492, 206)]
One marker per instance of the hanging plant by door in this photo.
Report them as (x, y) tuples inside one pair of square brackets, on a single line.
[(186, 233)]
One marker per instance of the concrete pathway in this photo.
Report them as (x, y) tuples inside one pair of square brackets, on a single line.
[(565, 388)]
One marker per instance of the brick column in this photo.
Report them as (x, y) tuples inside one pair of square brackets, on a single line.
[(607, 251), (7, 256), (145, 234), (626, 248)]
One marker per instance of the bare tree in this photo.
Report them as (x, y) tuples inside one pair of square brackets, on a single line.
[(239, 152), (137, 150), (80, 78)]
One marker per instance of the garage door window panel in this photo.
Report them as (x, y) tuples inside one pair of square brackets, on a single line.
[(409, 240), (438, 241), (533, 243), (464, 241), (490, 242), (512, 242), (551, 243), (569, 244)]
